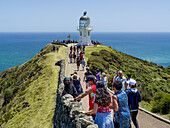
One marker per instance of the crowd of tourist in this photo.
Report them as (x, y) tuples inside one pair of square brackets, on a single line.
[(124, 102), (76, 56), (64, 41), (72, 41)]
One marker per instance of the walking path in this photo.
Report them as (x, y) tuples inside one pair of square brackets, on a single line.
[(70, 69), (144, 120)]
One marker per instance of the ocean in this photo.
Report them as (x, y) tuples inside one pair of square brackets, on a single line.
[(17, 48)]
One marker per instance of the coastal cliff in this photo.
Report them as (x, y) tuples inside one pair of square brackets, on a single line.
[(28, 91)]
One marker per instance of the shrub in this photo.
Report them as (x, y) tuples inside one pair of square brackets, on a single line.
[(161, 103)]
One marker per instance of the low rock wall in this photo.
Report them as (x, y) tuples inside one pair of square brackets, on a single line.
[(67, 114)]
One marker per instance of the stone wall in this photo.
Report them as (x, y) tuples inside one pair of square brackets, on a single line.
[(67, 114)]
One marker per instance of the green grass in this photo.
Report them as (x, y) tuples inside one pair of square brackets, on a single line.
[(152, 79), (39, 94), (89, 50)]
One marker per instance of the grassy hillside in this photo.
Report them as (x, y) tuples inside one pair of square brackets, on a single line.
[(28, 91), (153, 80)]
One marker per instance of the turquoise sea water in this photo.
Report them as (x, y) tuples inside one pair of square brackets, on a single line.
[(17, 48)]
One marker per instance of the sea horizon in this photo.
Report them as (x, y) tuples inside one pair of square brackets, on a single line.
[(18, 47)]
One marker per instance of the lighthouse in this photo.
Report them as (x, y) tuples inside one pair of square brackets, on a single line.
[(84, 30)]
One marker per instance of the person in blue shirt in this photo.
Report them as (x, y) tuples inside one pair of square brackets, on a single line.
[(134, 97), (122, 116), (98, 75)]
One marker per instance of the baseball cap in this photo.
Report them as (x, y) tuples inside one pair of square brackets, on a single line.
[(90, 78), (132, 82)]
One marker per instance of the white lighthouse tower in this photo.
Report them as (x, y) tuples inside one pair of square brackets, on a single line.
[(84, 30)]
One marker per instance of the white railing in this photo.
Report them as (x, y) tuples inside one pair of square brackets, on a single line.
[(84, 28)]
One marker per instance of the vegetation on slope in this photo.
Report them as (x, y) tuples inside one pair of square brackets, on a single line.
[(153, 80), (28, 91)]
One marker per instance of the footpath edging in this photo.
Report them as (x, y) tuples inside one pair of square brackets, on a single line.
[(67, 114), (150, 113)]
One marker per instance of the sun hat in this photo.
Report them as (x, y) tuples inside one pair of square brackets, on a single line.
[(132, 82), (103, 73)]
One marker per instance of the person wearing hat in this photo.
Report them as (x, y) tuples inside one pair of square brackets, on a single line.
[(69, 87), (86, 74), (76, 82), (134, 97), (91, 91), (104, 79), (122, 116), (83, 63), (98, 75), (102, 109)]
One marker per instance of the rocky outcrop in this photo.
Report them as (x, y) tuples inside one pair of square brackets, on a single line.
[(67, 114)]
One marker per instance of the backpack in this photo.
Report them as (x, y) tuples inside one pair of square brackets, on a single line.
[(70, 55), (81, 55)]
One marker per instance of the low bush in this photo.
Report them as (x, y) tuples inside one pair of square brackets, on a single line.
[(161, 103)]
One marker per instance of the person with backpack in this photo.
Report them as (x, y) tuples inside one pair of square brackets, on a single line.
[(83, 63), (134, 97), (76, 81), (81, 55), (70, 56), (115, 77), (74, 57), (98, 75), (78, 63)]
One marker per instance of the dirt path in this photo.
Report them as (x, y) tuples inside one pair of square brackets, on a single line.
[(144, 120)]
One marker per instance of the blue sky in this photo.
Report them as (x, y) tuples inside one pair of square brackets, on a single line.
[(105, 15)]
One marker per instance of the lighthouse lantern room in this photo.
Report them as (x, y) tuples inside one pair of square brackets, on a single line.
[(84, 30)]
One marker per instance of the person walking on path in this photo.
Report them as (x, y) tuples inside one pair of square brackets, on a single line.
[(91, 91), (102, 102), (76, 82), (74, 48), (123, 80), (71, 48), (134, 97), (86, 74), (98, 75), (81, 56), (83, 63), (57, 49), (115, 77), (83, 47), (104, 79), (70, 56), (53, 48), (74, 57), (78, 63), (69, 87), (122, 116)]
